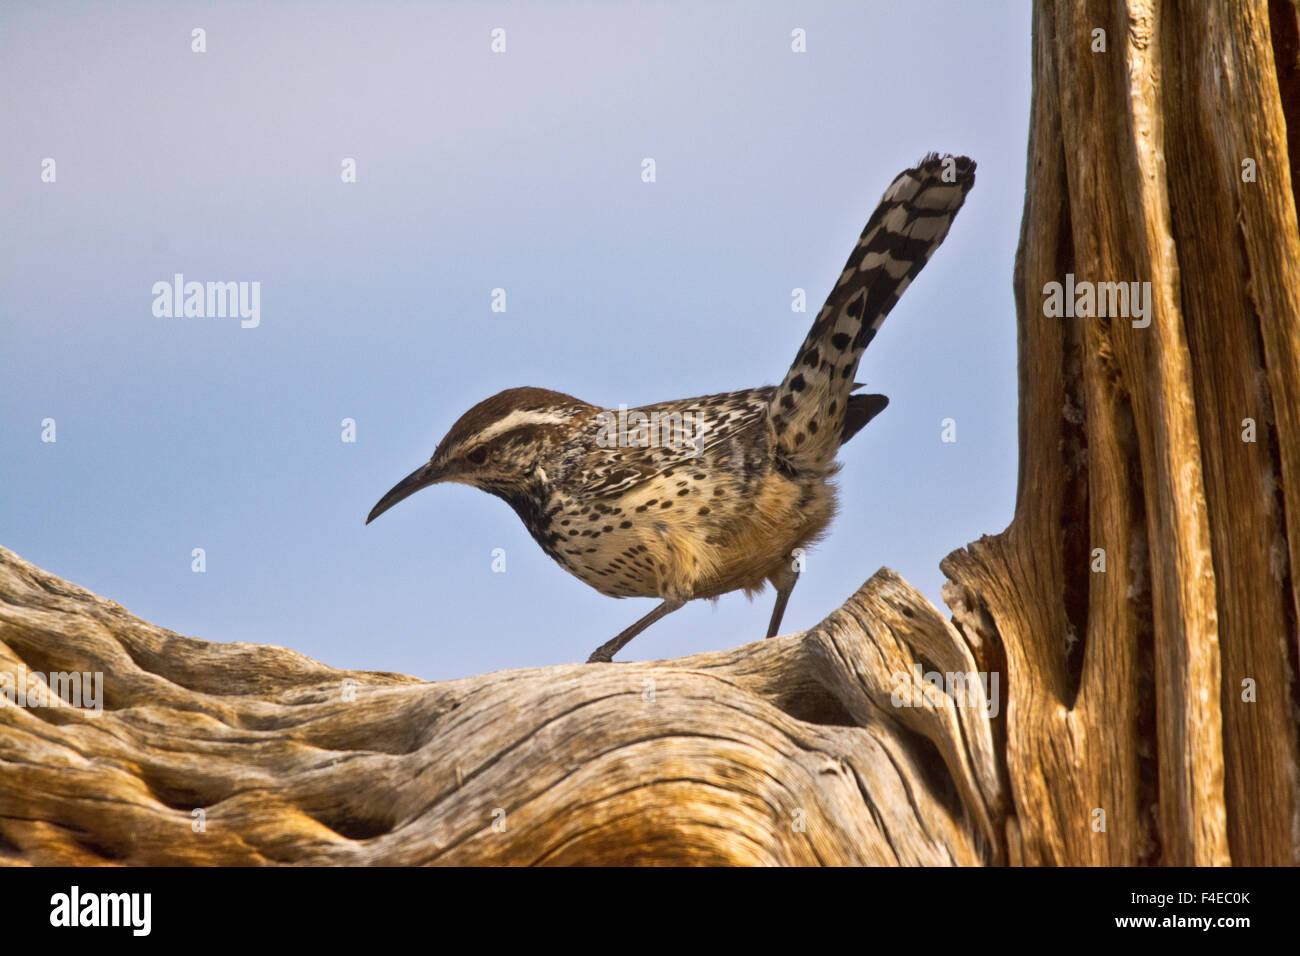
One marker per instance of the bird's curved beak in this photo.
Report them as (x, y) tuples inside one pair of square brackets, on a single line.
[(424, 476)]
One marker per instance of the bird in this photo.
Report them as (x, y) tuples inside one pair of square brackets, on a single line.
[(695, 498)]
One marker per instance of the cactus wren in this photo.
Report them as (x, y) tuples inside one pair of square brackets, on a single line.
[(695, 498)]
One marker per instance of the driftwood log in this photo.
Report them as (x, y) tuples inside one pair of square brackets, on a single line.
[(791, 750), (1139, 613)]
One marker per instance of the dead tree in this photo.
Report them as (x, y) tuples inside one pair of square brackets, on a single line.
[(1157, 696)]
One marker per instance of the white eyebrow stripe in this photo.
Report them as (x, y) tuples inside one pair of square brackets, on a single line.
[(518, 419)]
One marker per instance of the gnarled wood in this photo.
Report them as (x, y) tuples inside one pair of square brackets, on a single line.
[(790, 750), (1130, 689)]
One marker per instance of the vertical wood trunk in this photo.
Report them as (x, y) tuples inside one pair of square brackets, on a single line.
[(1130, 689)]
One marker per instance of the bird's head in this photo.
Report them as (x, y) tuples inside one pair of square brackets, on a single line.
[(498, 446)]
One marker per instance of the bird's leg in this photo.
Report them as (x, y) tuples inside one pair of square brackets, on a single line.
[(605, 653), (782, 596)]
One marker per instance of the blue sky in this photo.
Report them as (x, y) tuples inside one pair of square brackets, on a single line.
[(475, 171)]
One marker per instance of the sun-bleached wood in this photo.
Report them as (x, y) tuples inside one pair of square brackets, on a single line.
[(785, 751), (1162, 158)]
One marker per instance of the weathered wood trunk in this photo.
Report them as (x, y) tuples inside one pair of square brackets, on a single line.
[(1157, 696), (1139, 612)]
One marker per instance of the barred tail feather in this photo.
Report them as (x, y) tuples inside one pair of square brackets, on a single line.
[(808, 409)]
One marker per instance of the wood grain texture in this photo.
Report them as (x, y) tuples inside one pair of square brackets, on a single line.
[(787, 751), (1130, 715)]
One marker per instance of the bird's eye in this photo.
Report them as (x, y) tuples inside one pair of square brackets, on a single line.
[(478, 456)]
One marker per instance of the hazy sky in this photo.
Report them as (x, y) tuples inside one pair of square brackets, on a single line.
[(475, 171)]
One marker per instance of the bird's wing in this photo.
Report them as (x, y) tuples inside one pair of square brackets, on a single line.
[(625, 447)]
